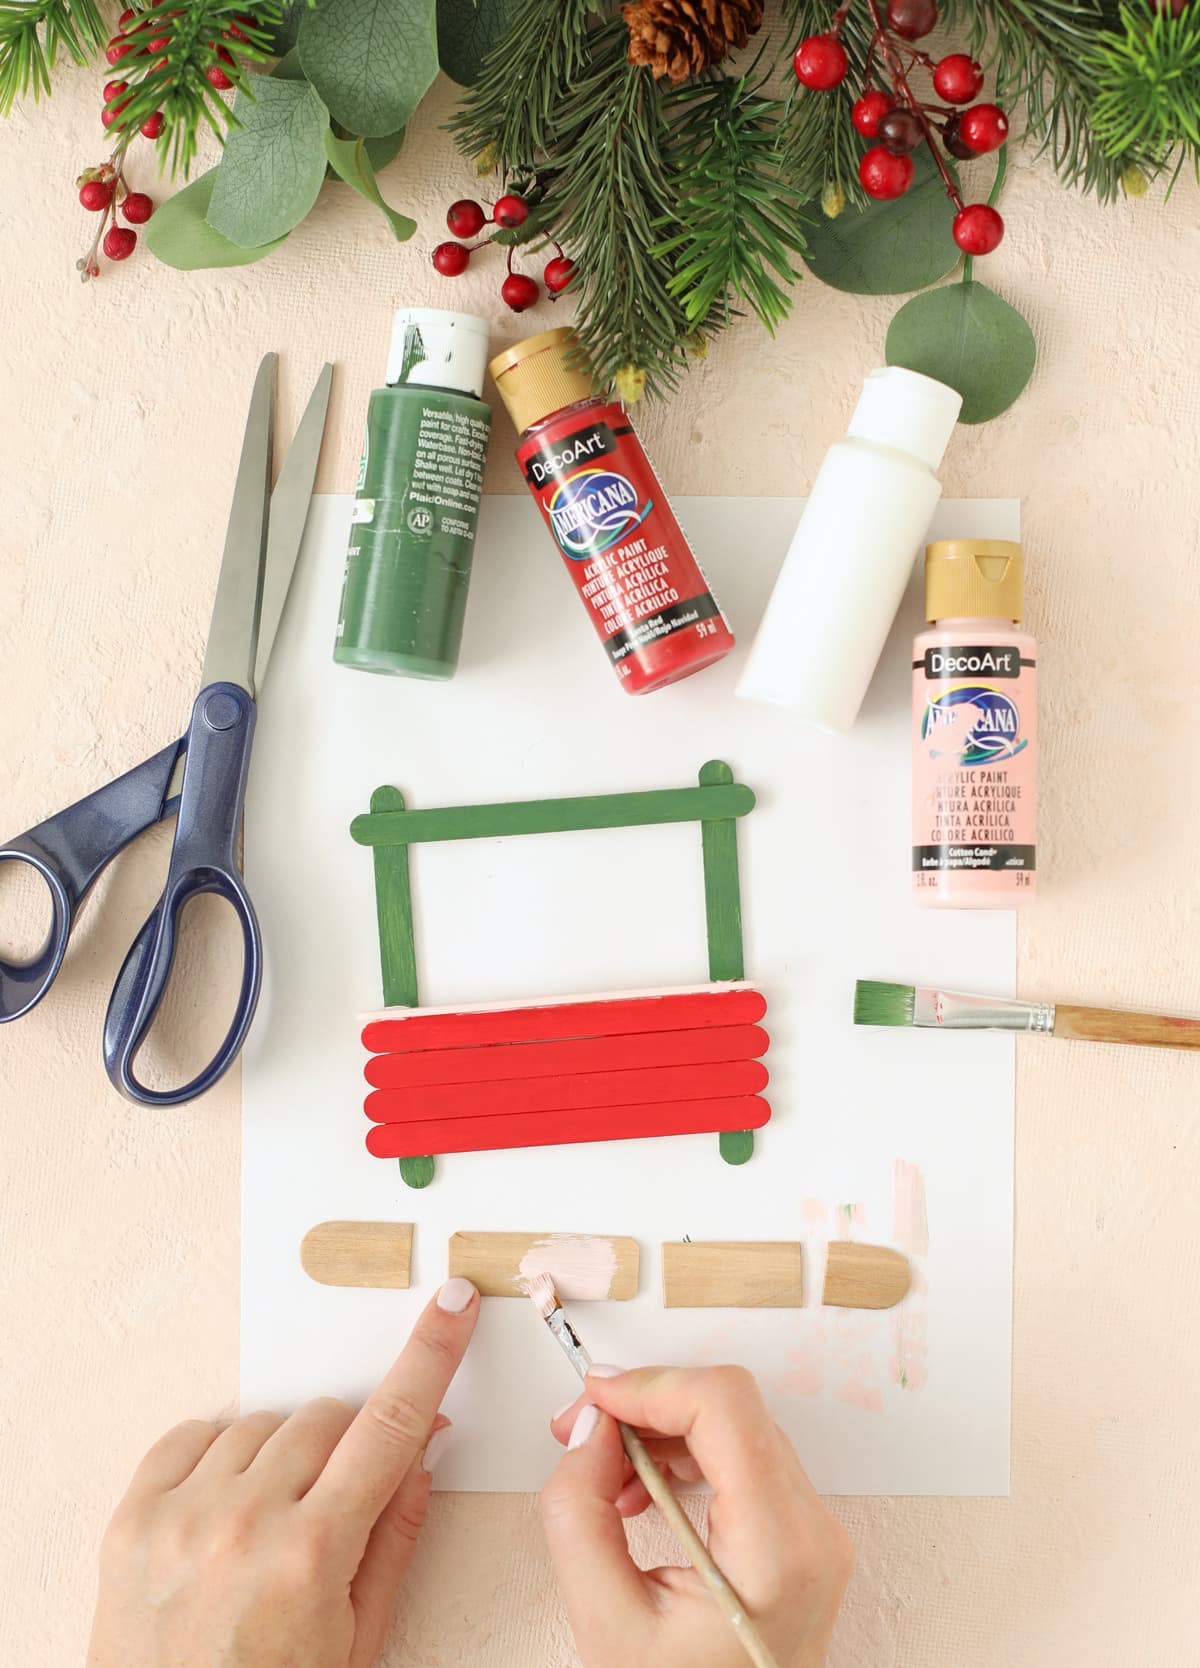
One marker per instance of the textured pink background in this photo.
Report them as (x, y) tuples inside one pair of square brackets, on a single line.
[(119, 437)]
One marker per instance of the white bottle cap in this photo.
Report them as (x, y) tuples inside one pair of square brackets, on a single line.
[(432, 348), (907, 412)]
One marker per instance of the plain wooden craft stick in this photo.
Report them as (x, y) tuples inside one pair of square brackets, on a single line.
[(864, 1276), (359, 1254), (732, 1274)]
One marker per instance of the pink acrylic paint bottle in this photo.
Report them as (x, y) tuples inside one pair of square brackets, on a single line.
[(974, 718)]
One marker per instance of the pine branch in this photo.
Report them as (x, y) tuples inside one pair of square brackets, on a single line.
[(611, 188), (509, 116), (33, 33), (820, 146), (738, 209), (1041, 53), (170, 73), (1148, 81)]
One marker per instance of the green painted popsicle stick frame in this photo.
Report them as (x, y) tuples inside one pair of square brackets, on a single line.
[(390, 828)]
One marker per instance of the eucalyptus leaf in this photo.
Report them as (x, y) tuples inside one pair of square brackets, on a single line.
[(273, 165), (372, 61), (467, 30), (382, 149), (888, 248), (288, 68), (970, 338), (181, 237), (349, 160)]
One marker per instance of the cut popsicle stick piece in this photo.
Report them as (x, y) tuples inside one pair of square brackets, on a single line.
[(550, 1129), (545, 1019), (865, 1276), (582, 1266), (562, 1094), (733, 1274), (359, 1254), (501, 1061)]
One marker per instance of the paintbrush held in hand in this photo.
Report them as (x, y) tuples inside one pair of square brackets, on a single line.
[(541, 1292), (946, 1010)]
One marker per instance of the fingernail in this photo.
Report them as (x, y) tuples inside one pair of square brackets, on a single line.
[(589, 1418), (455, 1295), (435, 1448), (598, 1371), (565, 1408)]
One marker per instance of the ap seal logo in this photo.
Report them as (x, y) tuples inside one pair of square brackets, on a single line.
[(977, 724), (420, 521), (592, 510)]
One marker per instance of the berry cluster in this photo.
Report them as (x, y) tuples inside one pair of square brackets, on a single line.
[(897, 121), (103, 190), (467, 218)]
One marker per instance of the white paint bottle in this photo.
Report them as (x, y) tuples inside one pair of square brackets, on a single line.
[(853, 552)]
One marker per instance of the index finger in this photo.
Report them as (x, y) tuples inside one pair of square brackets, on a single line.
[(393, 1425), (718, 1411)]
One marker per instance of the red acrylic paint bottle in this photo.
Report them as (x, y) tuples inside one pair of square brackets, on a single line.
[(627, 555)]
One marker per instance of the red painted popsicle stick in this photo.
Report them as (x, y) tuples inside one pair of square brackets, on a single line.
[(618, 1016), (561, 1094), (540, 1129), (554, 1059)]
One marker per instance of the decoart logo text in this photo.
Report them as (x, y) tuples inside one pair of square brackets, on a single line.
[(593, 510)]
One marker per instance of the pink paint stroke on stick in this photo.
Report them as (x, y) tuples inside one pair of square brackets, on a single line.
[(909, 1320)]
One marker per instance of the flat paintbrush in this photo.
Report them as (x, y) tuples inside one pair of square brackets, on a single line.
[(545, 1300), (946, 1010)]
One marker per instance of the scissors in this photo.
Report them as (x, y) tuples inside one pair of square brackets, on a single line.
[(199, 779)]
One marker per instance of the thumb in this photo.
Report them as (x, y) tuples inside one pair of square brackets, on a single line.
[(601, 1585)]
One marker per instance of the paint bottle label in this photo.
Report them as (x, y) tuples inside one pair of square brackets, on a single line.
[(627, 555), (974, 706)]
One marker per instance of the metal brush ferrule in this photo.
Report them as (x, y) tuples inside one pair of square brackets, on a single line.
[(568, 1340), (948, 1010)]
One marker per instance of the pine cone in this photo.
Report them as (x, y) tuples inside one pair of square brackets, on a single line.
[(679, 38)]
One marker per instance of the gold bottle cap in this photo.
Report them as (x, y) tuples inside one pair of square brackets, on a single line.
[(975, 579), (541, 375)]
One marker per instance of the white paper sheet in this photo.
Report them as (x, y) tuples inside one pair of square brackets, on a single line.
[(915, 1400)]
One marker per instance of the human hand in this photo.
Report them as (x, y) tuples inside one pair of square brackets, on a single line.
[(785, 1556), (281, 1543)]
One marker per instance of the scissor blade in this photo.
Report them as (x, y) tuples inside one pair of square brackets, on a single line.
[(234, 630), (289, 511)]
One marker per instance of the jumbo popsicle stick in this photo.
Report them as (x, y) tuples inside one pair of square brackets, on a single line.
[(548, 1129), (587, 1266), (733, 1274), (562, 1094), (359, 1254), (545, 1020), (554, 1059)]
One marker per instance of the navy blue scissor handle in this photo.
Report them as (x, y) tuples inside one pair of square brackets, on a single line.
[(68, 851), (204, 859)]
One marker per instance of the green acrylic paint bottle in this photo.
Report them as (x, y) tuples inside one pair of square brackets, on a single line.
[(412, 533)]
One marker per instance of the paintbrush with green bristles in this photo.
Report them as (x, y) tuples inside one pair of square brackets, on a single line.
[(946, 1010)]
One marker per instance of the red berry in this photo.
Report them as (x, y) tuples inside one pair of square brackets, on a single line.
[(957, 78), (158, 43), (465, 217), (111, 114), (820, 62), (869, 109), (119, 243), (912, 18), (217, 78), (558, 273), (883, 175), (977, 229), (984, 127), (900, 132), (153, 125), (236, 28), (451, 258), (137, 208), (112, 88), (1175, 7), (118, 49), (519, 291), (953, 140), (96, 195), (510, 212), (126, 18)]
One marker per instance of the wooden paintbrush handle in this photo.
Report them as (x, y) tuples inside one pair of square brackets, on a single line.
[(1113, 1026), (663, 1496)]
